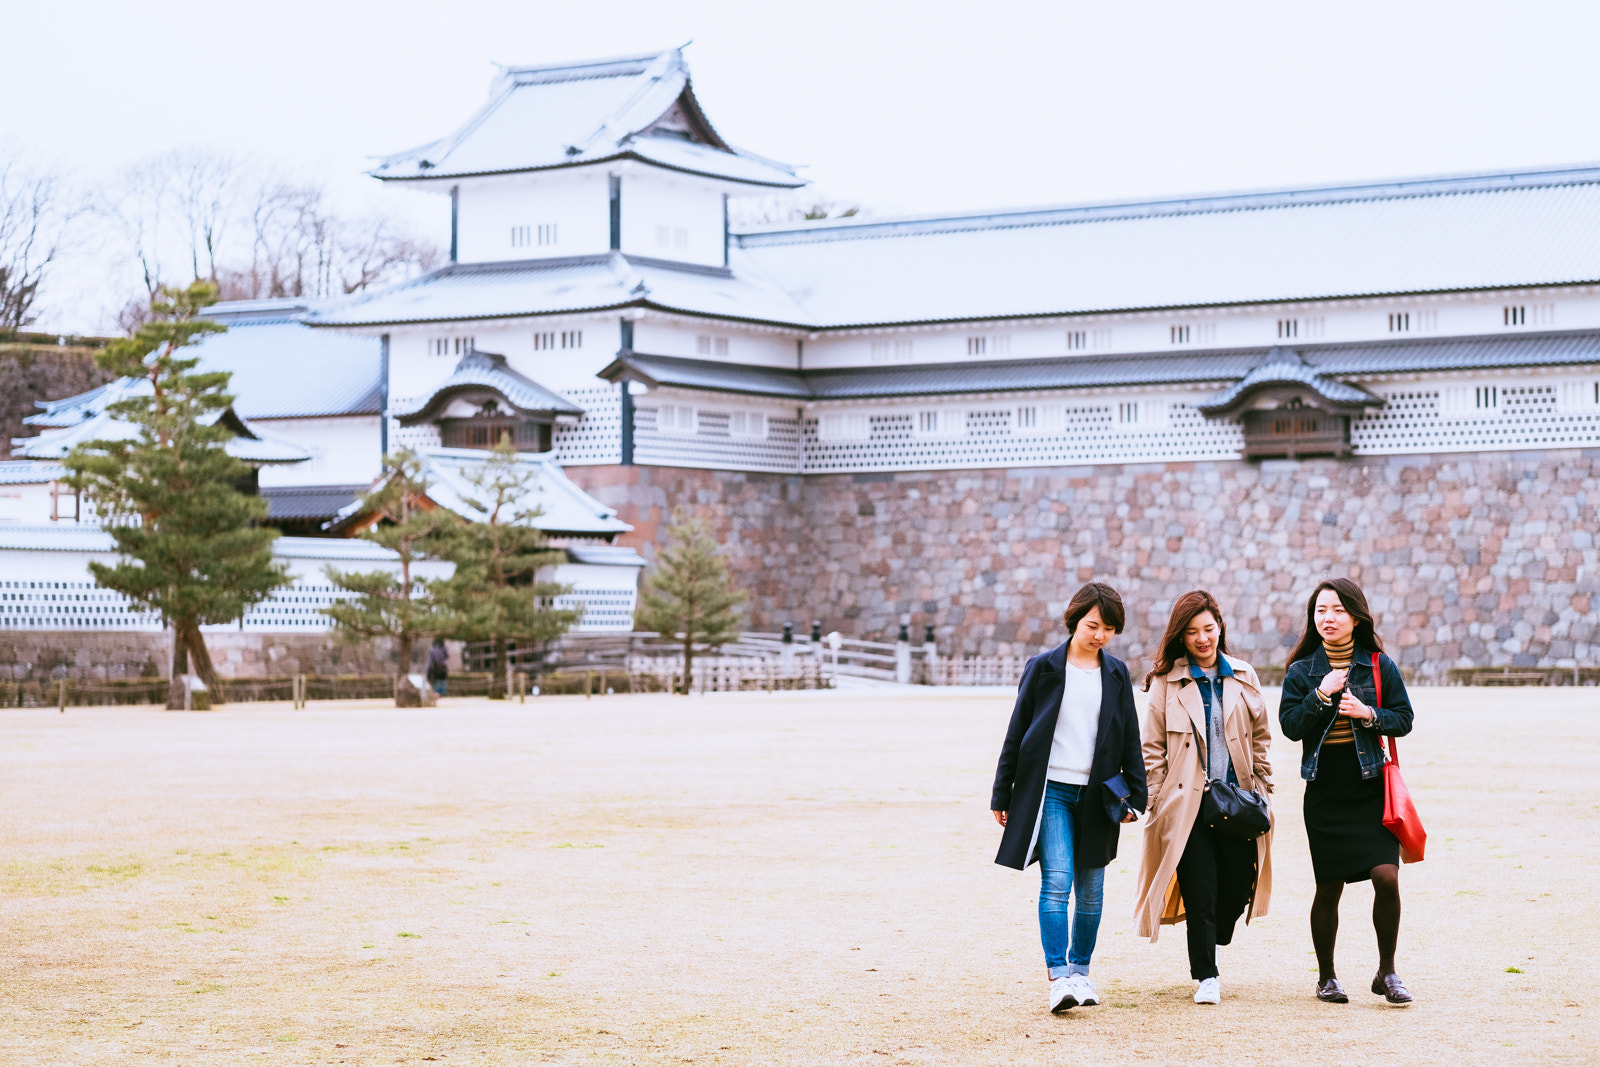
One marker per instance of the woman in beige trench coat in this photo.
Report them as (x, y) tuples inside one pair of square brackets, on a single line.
[(1201, 696)]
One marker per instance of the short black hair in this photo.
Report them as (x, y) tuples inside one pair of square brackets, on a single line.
[(1096, 595)]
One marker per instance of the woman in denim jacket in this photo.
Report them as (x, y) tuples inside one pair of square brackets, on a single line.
[(1330, 705)]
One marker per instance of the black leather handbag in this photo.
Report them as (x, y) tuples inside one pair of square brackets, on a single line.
[(1231, 809)]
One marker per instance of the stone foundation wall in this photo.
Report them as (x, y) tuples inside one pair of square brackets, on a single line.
[(1470, 559), (27, 656)]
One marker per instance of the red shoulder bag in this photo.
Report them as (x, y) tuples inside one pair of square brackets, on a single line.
[(1400, 816)]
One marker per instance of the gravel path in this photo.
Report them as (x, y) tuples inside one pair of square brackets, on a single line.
[(736, 879)]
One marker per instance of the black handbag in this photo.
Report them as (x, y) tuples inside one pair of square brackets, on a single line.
[(1233, 810)]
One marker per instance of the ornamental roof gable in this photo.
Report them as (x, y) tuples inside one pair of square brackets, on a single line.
[(572, 114)]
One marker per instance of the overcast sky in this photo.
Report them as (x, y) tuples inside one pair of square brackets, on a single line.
[(903, 107)]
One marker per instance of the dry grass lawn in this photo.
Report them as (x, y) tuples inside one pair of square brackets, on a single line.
[(735, 879)]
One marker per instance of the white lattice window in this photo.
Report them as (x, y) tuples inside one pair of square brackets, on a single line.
[(1312, 326), (521, 236), (977, 346), (1288, 329), (1528, 315), (1038, 419), (1100, 338), (712, 423), (445, 346), (710, 345), (1399, 321), (747, 424), (676, 418), (844, 426), (571, 338), (1580, 395), (1514, 315), (939, 422), (1077, 340), (891, 350), (544, 340)]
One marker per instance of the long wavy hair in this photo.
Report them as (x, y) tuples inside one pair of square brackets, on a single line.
[(1183, 613), (1355, 602)]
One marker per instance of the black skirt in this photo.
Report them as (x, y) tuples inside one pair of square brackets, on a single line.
[(1344, 819)]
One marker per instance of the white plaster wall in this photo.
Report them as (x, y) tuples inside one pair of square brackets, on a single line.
[(1448, 315), (29, 505), (578, 202), (415, 371), (653, 199), (659, 337), (345, 451)]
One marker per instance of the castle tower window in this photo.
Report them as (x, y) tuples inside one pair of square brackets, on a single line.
[(547, 233), (977, 346), (708, 345), (1288, 329), (1077, 339), (571, 338), (1514, 315), (544, 340), (1399, 321), (1179, 335), (447, 346)]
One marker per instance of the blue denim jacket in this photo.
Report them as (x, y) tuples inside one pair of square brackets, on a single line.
[(1307, 719)]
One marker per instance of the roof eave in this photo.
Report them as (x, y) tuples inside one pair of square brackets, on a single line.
[(570, 164)]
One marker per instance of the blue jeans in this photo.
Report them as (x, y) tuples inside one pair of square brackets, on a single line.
[(439, 686), (1059, 880)]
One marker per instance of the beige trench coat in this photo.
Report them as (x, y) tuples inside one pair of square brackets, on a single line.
[(1174, 762)]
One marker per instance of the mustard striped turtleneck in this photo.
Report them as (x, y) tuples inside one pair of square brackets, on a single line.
[(1339, 657)]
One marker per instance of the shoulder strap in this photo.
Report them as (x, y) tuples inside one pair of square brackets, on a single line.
[(1377, 683)]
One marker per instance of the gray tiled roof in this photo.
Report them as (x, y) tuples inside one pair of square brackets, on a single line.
[(1326, 363), (476, 291), (486, 370), (577, 114), (1485, 231), (1283, 366), (309, 501)]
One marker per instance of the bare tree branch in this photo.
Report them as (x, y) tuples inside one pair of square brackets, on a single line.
[(34, 220)]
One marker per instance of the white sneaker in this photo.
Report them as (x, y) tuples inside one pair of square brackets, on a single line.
[(1086, 992), (1063, 994), (1210, 991)]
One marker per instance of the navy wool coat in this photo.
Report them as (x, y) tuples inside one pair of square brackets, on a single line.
[(1019, 782)]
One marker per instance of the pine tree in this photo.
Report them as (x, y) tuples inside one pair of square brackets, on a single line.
[(495, 593), (193, 549), (689, 595), (386, 604)]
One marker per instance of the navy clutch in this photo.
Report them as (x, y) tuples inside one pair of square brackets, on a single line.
[(1116, 799)]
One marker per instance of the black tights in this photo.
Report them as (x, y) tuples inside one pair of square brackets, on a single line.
[(1385, 919)]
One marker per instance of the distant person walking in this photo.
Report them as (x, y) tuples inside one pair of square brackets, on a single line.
[(1330, 705), (1206, 721), (1070, 773), (439, 666)]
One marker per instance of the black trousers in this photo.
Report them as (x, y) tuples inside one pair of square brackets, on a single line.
[(1217, 877)]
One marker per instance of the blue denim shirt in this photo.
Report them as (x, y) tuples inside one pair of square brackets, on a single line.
[(1306, 719), (1204, 684)]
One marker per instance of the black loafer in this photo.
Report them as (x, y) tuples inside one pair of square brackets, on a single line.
[(1390, 988), (1331, 992)]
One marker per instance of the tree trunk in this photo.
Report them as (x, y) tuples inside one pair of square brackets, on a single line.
[(497, 679), (688, 663), (201, 656), (404, 652), (180, 667)]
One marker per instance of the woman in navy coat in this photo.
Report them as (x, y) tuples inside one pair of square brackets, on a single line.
[(1074, 729)]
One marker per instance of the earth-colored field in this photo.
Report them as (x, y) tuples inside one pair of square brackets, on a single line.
[(738, 879)]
